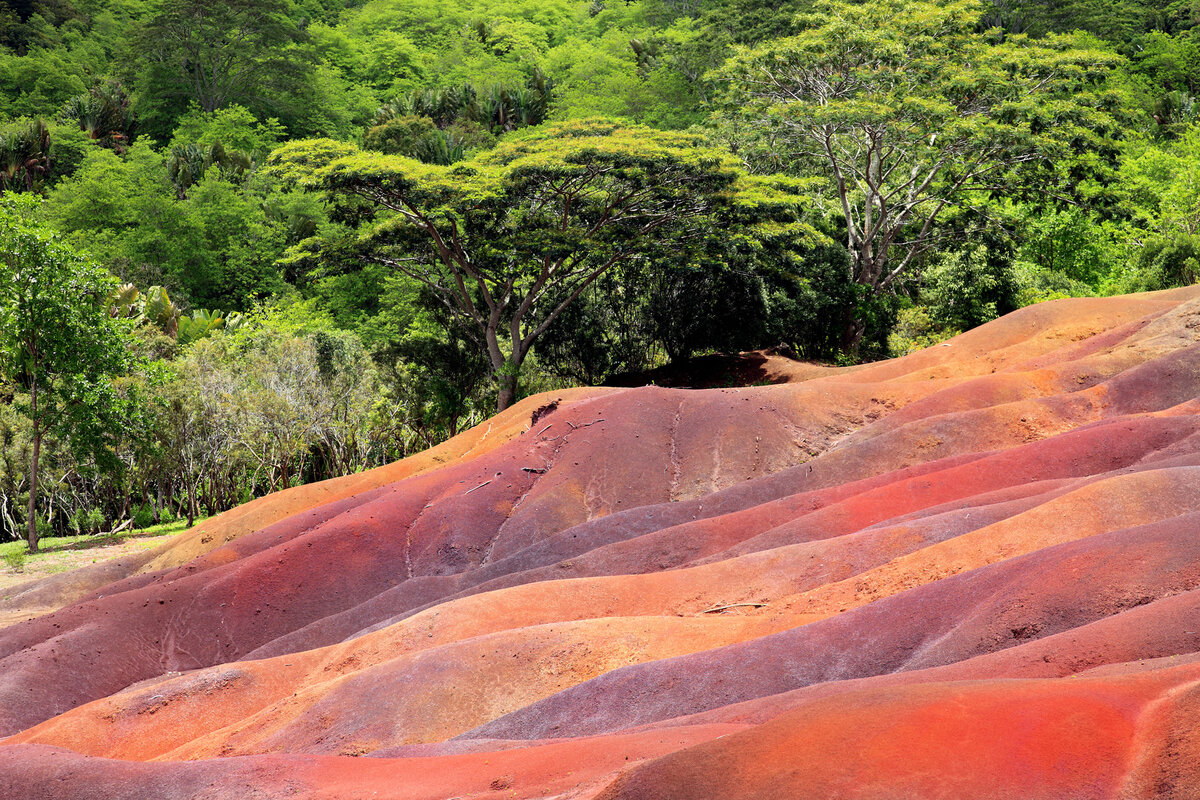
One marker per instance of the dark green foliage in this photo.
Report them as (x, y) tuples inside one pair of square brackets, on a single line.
[(605, 332), (415, 137), (497, 108), (749, 22), (441, 368), (969, 286), (104, 113), (1120, 21), (440, 126), (1162, 263), (213, 53), (25, 158), (165, 137), (509, 240), (187, 165), (216, 247), (23, 23)]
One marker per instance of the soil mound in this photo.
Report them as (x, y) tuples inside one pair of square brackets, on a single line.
[(969, 572)]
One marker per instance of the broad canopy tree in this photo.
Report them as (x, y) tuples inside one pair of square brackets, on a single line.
[(213, 53), (508, 240), (59, 345), (908, 110)]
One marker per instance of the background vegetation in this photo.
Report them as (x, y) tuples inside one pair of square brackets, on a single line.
[(263, 186)]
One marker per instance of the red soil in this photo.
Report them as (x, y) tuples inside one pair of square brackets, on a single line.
[(969, 572)]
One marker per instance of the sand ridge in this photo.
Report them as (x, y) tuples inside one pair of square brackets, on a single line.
[(968, 572)]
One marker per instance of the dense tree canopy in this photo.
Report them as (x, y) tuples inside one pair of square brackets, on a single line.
[(212, 54), (909, 111), (509, 240), (409, 209)]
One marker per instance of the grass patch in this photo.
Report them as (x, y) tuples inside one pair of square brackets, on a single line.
[(16, 555)]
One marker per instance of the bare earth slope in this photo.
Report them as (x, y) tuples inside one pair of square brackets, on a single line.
[(970, 572)]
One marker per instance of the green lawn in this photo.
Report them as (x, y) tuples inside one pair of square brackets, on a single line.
[(16, 557)]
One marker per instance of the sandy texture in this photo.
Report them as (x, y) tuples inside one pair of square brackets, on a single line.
[(970, 572)]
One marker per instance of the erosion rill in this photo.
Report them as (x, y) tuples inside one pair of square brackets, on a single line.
[(973, 572)]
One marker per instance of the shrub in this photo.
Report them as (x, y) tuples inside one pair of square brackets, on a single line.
[(87, 522), (143, 517), (15, 560), (44, 528)]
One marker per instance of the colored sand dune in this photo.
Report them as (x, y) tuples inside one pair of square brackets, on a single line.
[(973, 572)]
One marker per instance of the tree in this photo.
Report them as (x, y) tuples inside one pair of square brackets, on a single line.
[(508, 240), (103, 113), (415, 137), (908, 111), (213, 53), (216, 248), (25, 158), (58, 342)]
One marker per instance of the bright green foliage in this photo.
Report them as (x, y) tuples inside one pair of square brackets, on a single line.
[(1162, 262), (1069, 243), (233, 127), (507, 241), (908, 111), (39, 82), (1170, 62), (241, 245), (122, 210), (218, 246), (1159, 196), (300, 163), (1158, 36), (391, 63), (69, 146), (155, 308), (1160, 185), (203, 323), (58, 343)]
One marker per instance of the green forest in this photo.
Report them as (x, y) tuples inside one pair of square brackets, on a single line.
[(251, 244)]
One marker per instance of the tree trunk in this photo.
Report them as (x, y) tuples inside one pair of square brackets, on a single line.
[(853, 329), (31, 531), (506, 370), (508, 390)]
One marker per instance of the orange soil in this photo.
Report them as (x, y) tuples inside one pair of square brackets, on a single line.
[(968, 572)]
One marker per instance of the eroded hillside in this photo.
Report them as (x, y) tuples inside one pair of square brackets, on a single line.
[(969, 572)]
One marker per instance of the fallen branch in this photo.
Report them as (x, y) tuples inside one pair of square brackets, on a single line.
[(575, 427), (715, 609), (543, 430), (480, 486)]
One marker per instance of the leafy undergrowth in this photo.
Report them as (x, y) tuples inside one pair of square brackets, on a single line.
[(61, 553)]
